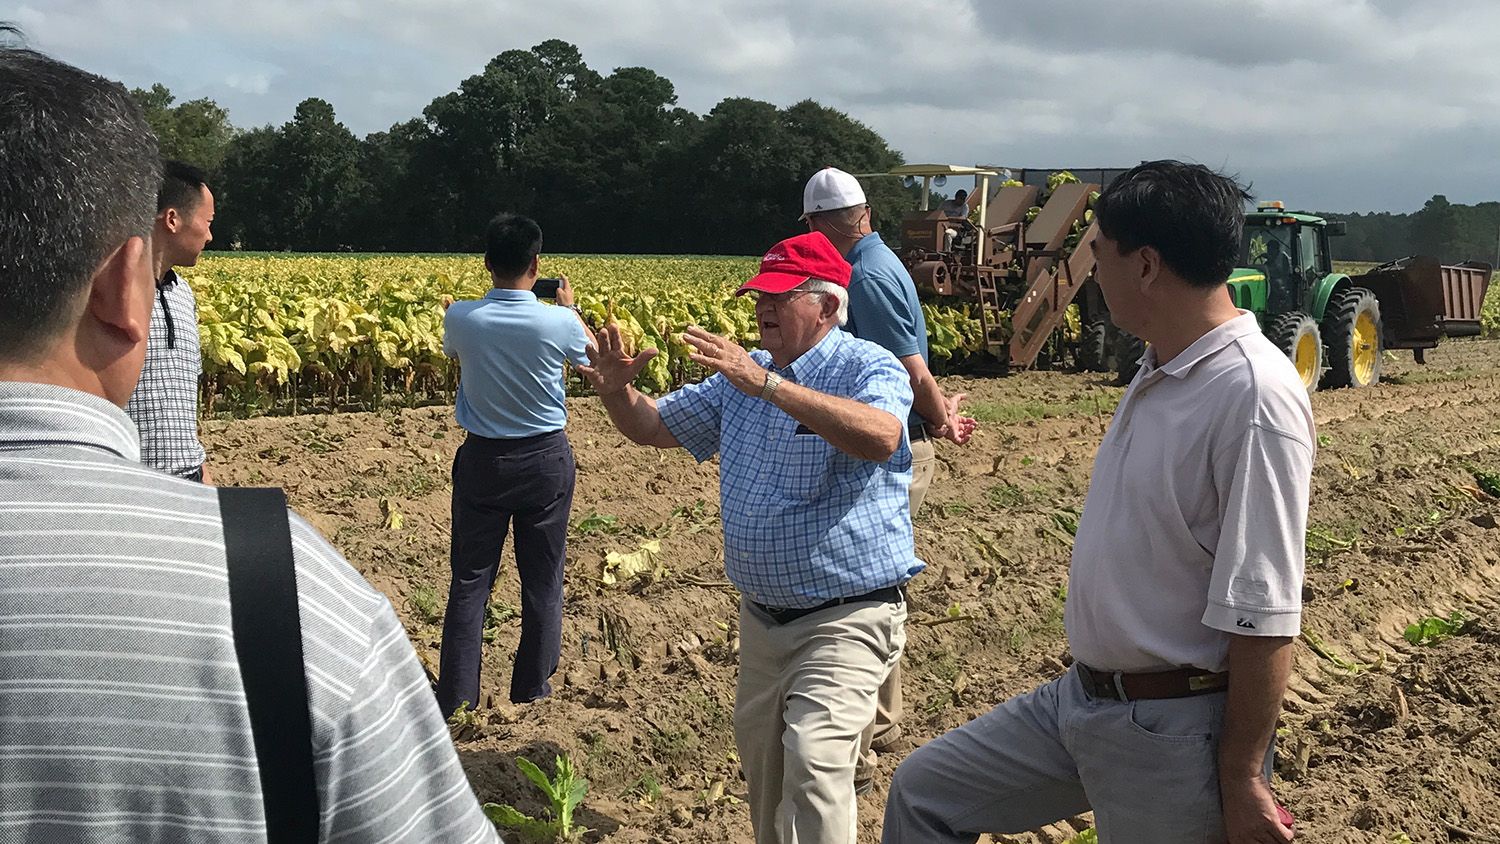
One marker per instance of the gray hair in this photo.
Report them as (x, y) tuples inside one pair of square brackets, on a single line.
[(828, 288), (843, 216)]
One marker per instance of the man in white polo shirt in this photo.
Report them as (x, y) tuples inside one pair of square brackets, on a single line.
[(1185, 590)]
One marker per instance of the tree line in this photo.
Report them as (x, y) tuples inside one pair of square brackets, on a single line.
[(605, 163), (1448, 231)]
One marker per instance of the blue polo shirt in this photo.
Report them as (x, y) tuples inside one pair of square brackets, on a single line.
[(804, 522), (512, 348), (883, 304)]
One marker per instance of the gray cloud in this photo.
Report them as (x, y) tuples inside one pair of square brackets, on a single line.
[(1340, 104)]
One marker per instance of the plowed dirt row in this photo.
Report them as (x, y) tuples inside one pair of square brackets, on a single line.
[(1380, 738)]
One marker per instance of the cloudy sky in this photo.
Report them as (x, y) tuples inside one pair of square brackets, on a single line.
[(1328, 104)]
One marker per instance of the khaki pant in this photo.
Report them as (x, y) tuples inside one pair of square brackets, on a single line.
[(923, 467), (805, 695), (888, 709)]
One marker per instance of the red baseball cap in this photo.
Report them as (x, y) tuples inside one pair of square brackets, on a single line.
[(797, 259)]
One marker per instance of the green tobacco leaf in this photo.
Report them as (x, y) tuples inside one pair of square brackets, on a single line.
[(1432, 629), (534, 774), (529, 828)]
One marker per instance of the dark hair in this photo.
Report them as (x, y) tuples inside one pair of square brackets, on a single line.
[(510, 243), (182, 186), (961, 193), (79, 178), (1193, 216)]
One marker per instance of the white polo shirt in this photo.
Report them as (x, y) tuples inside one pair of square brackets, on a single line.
[(1196, 517)]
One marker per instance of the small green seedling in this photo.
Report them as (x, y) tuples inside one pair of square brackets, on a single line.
[(1067, 521), (1488, 481), (598, 523), (423, 601), (565, 791), (1432, 629), (464, 724)]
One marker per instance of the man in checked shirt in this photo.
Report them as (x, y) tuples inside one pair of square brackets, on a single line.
[(165, 402), (813, 474)]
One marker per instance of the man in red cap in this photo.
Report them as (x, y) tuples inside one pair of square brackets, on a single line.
[(815, 464)]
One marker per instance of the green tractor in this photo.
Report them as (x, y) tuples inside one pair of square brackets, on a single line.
[(1333, 326), (1326, 323)]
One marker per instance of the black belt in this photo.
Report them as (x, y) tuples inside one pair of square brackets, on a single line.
[(783, 615), (1150, 685), (917, 432)]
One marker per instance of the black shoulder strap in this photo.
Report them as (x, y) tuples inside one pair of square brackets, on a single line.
[(268, 642)]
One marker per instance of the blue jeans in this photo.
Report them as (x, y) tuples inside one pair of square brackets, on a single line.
[(1147, 768), (496, 483)]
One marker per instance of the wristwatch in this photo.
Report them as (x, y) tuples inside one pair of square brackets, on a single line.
[(772, 382)]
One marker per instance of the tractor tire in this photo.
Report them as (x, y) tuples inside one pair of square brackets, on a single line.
[(1094, 347), (1352, 329), (1128, 349), (1297, 335)]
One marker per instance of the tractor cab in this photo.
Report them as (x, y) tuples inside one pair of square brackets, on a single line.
[(933, 231), (1284, 259)]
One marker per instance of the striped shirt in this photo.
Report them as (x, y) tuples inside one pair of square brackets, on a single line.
[(164, 405), (804, 522), (122, 712)]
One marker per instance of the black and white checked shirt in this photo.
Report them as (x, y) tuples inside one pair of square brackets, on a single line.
[(165, 402)]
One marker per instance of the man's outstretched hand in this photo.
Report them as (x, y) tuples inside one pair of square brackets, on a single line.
[(611, 369)]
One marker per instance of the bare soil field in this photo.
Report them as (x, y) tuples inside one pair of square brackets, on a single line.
[(1380, 738)]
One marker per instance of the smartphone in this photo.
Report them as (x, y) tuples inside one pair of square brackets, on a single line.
[(546, 288)]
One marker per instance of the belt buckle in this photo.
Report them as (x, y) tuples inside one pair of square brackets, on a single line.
[(1102, 684), (1202, 682)]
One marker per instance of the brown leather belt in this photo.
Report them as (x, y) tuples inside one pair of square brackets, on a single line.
[(1153, 685)]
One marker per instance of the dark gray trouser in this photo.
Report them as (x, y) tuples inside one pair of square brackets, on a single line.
[(1148, 769), (496, 482)]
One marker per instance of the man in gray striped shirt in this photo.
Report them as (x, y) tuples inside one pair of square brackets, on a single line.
[(122, 709)]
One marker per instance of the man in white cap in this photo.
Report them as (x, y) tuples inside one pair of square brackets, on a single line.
[(883, 308), (813, 476)]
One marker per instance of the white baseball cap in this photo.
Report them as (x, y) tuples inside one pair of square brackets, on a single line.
[(830, 189)]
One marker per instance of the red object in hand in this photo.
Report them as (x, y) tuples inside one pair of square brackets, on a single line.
[(1284, 816)]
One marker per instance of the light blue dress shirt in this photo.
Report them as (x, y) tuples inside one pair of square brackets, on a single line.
[(512, 348)]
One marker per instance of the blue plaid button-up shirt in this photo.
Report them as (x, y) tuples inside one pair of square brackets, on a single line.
[(804, 523)]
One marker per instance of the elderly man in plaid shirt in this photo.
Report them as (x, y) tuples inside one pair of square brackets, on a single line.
[(814, 470)]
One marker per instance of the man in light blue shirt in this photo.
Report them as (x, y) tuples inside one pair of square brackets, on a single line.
[(516, 465), (884, 309), (813, 474)]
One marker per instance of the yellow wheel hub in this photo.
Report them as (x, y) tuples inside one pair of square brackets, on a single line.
[(1306, 360), (1366, 351)]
